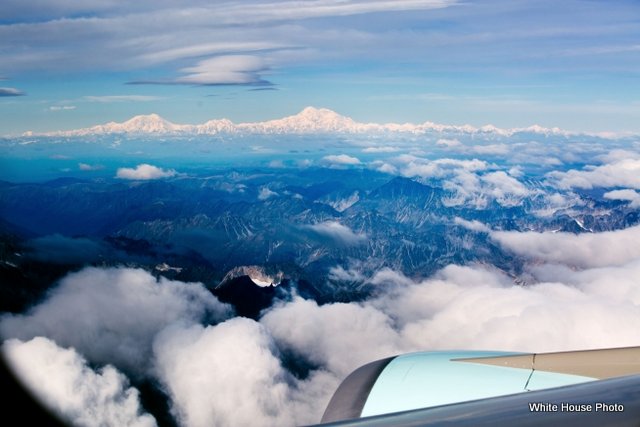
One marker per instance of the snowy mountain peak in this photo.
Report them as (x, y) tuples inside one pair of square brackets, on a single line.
[(318, 114), (149, 123), (152, 123), (308, 121)]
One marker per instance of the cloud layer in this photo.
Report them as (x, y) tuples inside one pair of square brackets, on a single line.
[(282, 369), (579, 250)]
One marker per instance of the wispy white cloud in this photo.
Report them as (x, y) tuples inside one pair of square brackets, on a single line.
[(209, 49), (158, 37), (88, 167), (473, 225), (338, 273), (338, 232), (448, 142), (629, 195), (154, 33), (122, 98), (227, 13), (62, 107)]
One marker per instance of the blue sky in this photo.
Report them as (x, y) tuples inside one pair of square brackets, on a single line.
[(574, 64)]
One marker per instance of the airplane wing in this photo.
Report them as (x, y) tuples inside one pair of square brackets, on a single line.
[(592, 387)]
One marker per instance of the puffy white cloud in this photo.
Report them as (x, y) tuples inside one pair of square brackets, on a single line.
[(472, 165), (475, 308), (619, 173), (341, 160), (516, 172), (144, 172), (618, 154), (337, 232), (265, 193), (112, 315), (505, 189), (465, 188), (466, 181), (630, 195), (230, 375), (64, 383), (338, 337), (464, 308), (386, 168), (439, 168), (423, 170), (580, 250), (615, 284)]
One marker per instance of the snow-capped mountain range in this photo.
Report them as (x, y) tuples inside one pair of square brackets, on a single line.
[(310, 120)]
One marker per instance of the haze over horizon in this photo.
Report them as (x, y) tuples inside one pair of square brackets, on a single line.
[(511, 64)]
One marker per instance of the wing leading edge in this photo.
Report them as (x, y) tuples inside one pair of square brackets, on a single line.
[(424, 384)]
